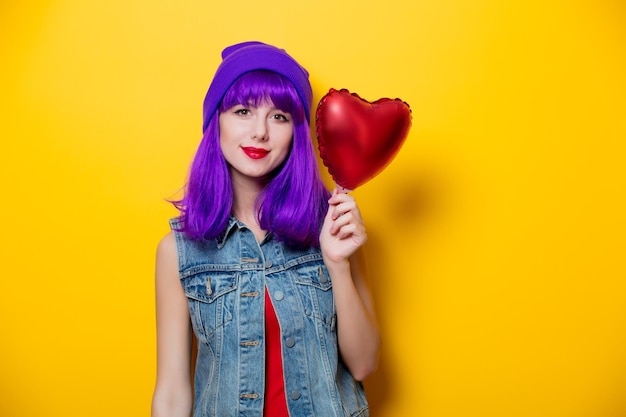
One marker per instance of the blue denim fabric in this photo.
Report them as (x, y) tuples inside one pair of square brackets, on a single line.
[(225, 280)]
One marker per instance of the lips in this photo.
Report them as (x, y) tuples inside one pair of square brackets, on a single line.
[(255, 153)]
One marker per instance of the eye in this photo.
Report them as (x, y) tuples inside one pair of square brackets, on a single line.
[(282, 117), (242, 111)]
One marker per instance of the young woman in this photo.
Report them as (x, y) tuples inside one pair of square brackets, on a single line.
[(263, 266)]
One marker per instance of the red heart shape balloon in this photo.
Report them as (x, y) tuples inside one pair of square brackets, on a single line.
[(358, 139)]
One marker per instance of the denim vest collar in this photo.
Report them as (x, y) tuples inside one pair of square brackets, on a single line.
[(232, 223), (221, 238)]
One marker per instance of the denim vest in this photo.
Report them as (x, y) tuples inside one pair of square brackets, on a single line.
[(225, 280)]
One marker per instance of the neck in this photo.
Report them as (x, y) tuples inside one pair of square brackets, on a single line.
[(245, 194)]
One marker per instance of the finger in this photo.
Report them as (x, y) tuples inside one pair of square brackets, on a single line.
[(352, 231), (340, 222), (346, 231), (347, 220), (344, 208), (338, 197)]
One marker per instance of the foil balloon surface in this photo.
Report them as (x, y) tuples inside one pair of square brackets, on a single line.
[(357, 139)]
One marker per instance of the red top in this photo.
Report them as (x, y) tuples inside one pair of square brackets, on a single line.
[(275, 400)]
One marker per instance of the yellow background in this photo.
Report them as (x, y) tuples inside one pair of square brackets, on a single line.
[(497, 235)]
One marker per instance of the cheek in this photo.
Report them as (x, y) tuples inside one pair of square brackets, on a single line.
[(281, 136), (228, 137), (223, 140), (287, 143), (286, 136)]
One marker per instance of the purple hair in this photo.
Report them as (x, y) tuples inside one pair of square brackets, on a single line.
[(294, 202)]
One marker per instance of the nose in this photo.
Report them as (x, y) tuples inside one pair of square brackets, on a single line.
[(260, 131)]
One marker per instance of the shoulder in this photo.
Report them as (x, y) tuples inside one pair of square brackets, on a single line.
[(167, 256), (167, 245)]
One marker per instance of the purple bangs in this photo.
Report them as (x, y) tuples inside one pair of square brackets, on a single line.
[(294, 202), (263, 87)]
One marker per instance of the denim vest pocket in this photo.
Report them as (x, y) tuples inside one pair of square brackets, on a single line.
[(315, 288), (212, 297)]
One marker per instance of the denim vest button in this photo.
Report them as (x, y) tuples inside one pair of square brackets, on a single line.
[(268, 264), (322, 276), (295, 395), (290, 342), (278, 295)]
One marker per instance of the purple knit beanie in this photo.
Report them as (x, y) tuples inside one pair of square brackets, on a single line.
[(250, 56)]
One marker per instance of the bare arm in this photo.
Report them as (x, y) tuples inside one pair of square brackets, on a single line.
[(342, 237), (172, 394)]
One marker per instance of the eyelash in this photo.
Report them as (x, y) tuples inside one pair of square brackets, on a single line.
[(278, 116)]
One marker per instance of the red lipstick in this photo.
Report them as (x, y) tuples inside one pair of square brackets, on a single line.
[(255, 153)]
